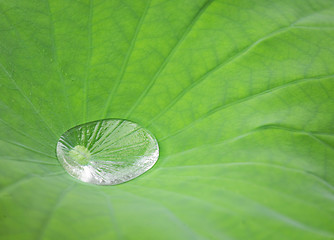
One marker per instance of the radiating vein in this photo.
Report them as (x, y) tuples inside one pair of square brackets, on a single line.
[(215, 69), (126, 60), (246, 134), (290, 129), (221, 179), (5, 158), (249, 163), (89, 58), (27, 148), (168, 212), (55, 57), (169, 56), (28, 100), (247, 98), (267, 211), (26, 135), (226, 62), (48, 218), (190, 198), (112, 215), (18, 182), (16, 85)]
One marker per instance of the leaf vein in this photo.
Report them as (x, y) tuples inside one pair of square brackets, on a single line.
[(126, 60)]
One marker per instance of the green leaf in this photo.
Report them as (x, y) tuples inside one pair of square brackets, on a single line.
[(239, 95)]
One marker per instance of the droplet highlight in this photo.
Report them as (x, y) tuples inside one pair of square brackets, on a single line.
[(107, 152)]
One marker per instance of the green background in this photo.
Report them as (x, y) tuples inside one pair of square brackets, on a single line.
[(238, 93)]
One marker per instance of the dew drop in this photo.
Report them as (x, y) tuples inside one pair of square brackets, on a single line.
[(107, 152)]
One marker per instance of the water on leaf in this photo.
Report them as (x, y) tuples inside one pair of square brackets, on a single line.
[(107, 152)]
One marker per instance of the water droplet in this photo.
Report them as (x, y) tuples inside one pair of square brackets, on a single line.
[(107, 152)]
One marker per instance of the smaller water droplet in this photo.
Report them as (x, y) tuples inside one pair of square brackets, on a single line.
[(107, 152)]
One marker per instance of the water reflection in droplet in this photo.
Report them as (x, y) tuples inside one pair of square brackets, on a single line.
[(107, 152)]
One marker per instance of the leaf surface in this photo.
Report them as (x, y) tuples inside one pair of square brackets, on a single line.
[(239, 95)]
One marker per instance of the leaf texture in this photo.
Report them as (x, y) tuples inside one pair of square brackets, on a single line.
[(239, 95)]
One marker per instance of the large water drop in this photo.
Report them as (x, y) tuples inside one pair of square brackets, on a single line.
[(107, 152)]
